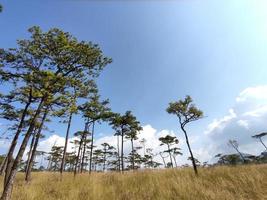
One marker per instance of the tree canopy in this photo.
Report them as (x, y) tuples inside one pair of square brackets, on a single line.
[(185, 110)]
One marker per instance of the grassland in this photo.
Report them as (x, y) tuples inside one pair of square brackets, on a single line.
[(220, 183)]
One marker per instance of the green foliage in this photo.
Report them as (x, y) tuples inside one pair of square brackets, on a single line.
[(52, 62), (55, 157), (232, 159), (126, 123), (195, 159), (185, 110), (96, 110), (49, 71), (168, 140), (260, 135)]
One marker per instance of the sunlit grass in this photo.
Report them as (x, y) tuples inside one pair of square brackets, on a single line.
[(228, 183)]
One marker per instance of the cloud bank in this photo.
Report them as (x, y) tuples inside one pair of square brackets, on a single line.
[(247, 117)]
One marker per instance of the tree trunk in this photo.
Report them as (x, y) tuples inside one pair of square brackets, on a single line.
[(170, 154), (62, 167), (78, 157), (174, 160), (190, 151), (42, 158), (84, 148), (15, 140), (80, 150), (144, 155), (49, 163), (151, 160), (122, 164), (31, 148), (132, 154), (244, 160), (38, 135), (263, 143), (104, 160), (163, 160), (118, 148), (92, 146), (6, 194)]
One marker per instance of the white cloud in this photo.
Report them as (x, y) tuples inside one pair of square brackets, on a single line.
[(258, 111), (248, 117), (258, 93), (243, 123), (220, 123), (150, 134)]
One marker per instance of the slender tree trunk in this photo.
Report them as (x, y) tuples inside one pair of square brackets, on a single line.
[(6, 194), (78, 157), (15, 140), (118, 148), (174, 160), (104, 160), (163, 159), (244, 160), (31, 148), (83, 154), (190, 151), (263, 143), (151, 160), (92, 146), (170, 154), (132, 154), (62, 167), (122, 164), (49, 163), (32, 157), (144, 150), (72, 167), (144, 154), (42, 158)]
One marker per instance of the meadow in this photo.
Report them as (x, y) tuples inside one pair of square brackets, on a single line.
[(218, 183)]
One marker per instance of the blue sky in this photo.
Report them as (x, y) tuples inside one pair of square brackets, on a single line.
[(161, 51)]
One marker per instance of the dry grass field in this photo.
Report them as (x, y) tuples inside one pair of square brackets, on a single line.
[(218, 183)]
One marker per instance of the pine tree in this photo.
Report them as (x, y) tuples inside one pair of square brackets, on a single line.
[(259, 136), (107, 151), (123, 124), (186, 112), (95, 111), (55, 157), (169, 141), (132, 135), (47, 64), (82, 135)]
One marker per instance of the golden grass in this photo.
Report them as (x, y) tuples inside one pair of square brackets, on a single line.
[(218, 183)]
